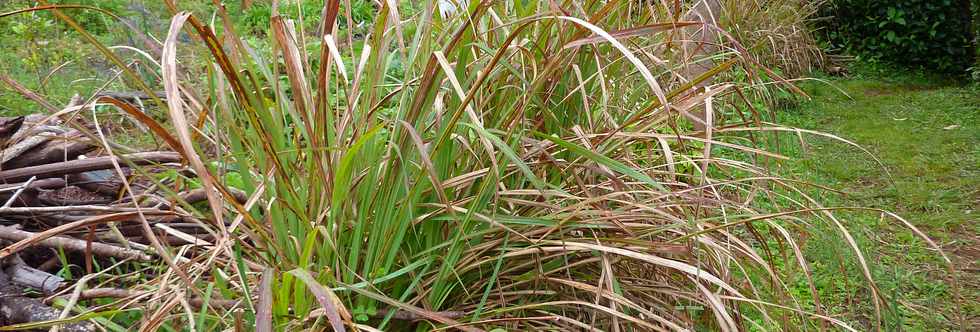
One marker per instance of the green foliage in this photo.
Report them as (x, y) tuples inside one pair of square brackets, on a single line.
[(471, 163), (976, 40), (97, 22), (34, 44), (927, 133), (933, 34), (255, 20), (437, 157)]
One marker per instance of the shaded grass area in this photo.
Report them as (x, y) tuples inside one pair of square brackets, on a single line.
[(927, 135)]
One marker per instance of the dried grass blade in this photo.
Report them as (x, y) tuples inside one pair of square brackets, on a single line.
[(656, 260), (117, 217), (176, 110), (294, 67), (263, 310), (642, 68), (148, 121), (606, 161), (324, 296), (631, 32), (332, 47), (413, 309), (429, 167)]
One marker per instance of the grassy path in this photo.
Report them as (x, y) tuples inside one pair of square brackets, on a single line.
[(927, 135)]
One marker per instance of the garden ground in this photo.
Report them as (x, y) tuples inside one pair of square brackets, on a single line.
[(927, 135)]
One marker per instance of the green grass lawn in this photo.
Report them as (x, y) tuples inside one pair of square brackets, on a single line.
[(927, 135)]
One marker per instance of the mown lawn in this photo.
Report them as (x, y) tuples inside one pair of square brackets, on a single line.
[(927, 135)]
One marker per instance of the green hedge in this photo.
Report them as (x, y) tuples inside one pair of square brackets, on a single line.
[(976, 37), (932, 34)]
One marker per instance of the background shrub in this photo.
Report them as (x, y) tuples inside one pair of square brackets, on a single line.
[(776, 32), (933, 34), (976, 38)]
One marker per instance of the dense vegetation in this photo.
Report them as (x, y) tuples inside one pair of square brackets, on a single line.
[(484, 164), (932, 34)]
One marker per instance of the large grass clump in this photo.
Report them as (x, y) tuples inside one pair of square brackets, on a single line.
[(511, 164)]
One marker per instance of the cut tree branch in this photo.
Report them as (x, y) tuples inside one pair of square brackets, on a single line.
[(67, 243), (16, 308), (85, 165), (51, 152)]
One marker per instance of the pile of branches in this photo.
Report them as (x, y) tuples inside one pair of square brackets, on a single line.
[(61, 190)]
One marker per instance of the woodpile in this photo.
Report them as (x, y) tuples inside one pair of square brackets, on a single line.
[(62, 191)]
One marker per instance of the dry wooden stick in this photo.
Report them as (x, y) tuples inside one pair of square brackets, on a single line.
[(67, 243), (22, 146), (131, 96), (22, 274), (120, 293), (17, 308), (18, 192), (85, 165), (200, 194), (52, 152), (78, 208), (28, 93), (50, 183)]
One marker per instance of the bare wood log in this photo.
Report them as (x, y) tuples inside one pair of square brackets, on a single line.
[(85, 165), (62, 229), (16, 308), (23, 145), (199, 195), (17, 271), (126, 225), (99, 249), (22, 274), (51, 152), (39, 120), (81, 208), (26, 198), (18, 192), (8, 127)]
